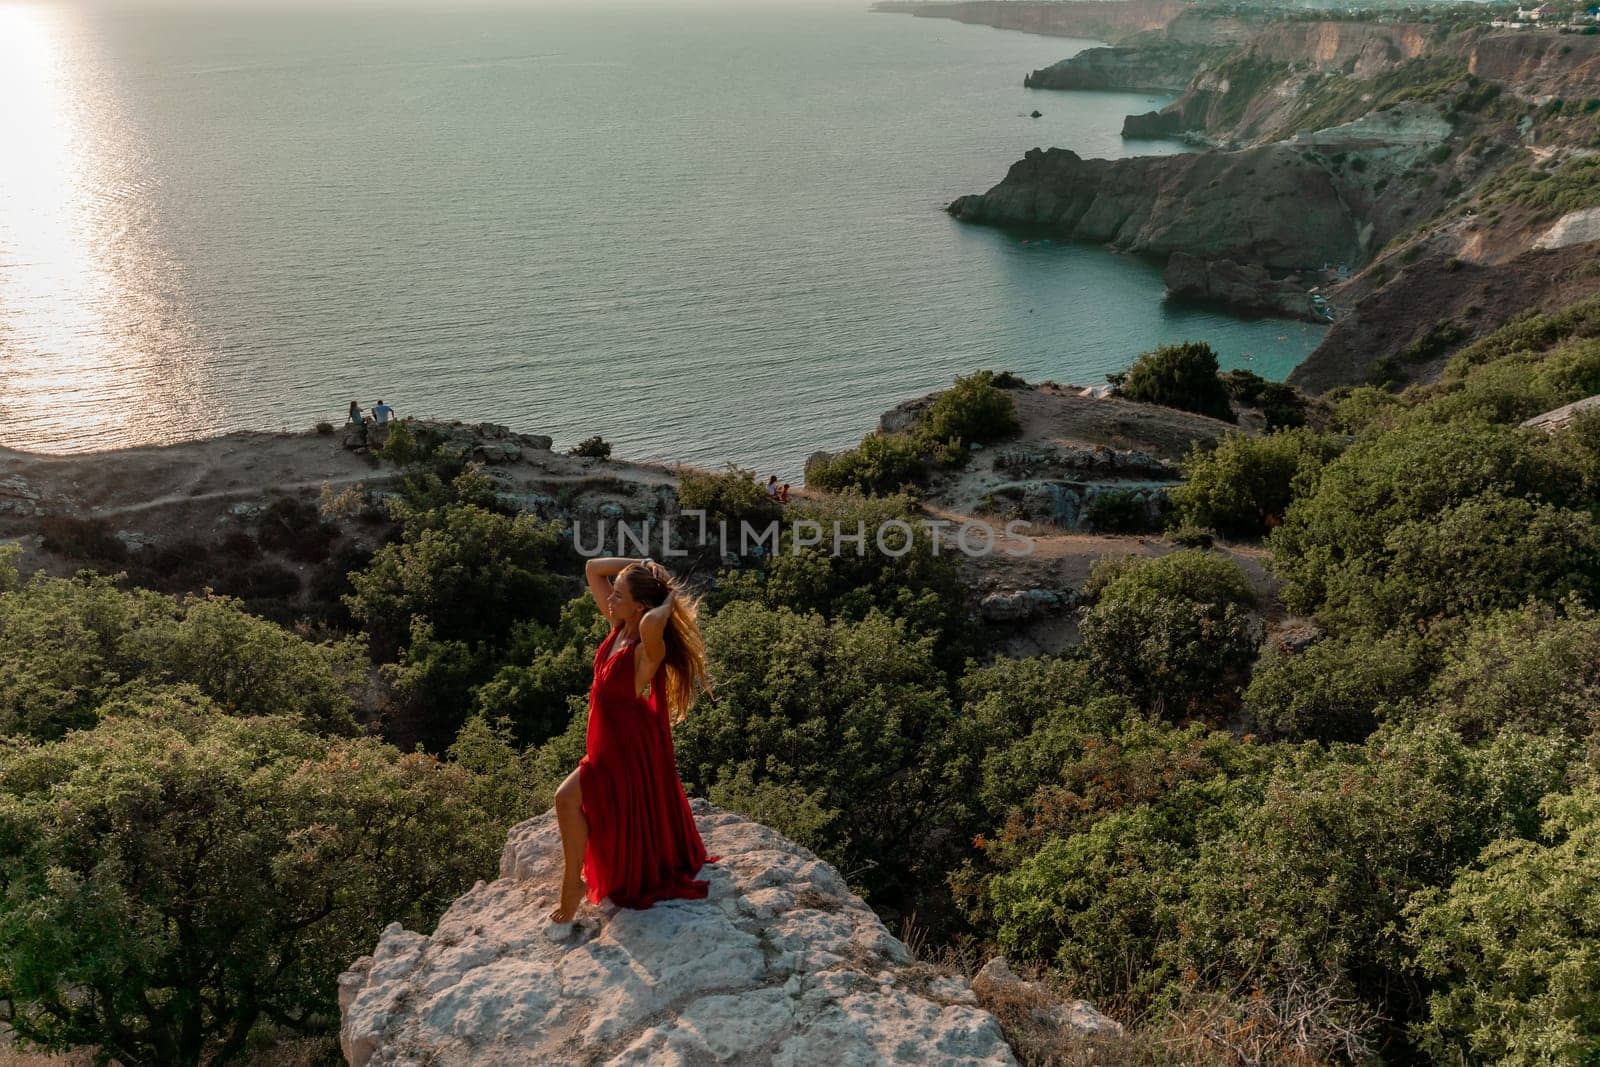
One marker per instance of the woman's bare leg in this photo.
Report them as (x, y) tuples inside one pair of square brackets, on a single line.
[(574, 836)]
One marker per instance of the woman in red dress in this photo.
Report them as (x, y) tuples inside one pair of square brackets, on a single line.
[(626, 829)]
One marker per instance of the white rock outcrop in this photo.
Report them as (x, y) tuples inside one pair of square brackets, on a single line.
[(781, 964), (1563, 416), (1573, 228)]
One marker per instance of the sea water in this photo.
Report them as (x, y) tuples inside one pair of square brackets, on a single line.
[(707, 233)]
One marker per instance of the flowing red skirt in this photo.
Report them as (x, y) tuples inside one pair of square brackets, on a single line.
[(643, 843)]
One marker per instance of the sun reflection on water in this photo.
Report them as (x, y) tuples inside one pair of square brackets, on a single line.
[(84, 319)]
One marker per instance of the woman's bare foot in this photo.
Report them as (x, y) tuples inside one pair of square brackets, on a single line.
[(571, 900)]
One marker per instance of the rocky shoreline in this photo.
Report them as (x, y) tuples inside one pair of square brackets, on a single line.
[(1157, 69), (1375, 175), (1103, 20)]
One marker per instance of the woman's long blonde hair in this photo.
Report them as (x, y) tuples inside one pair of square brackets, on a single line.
[(686, 648)]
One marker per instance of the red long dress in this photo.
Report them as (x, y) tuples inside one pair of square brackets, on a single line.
[(643, 843)]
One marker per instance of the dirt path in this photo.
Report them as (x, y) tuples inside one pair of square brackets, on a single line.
[(95, 511)]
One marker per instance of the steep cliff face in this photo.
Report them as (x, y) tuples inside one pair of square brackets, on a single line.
[(1103, 20), (1538, 65), (1291, 77), (1359, 49), (1271, 206), (1159, 68), (782, 964), (1436, 289)]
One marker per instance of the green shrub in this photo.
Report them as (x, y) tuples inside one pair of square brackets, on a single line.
[(1337, 689), (1243, 486), (1191, 536), (69, 644), (1319, 874), (1029, 717), (595, 447), (1513, 947), (1179, 376), (1339, 531), (1093, 878), (882, 463), (975, 409), (541, 673), (470, 573), (443, 605), (1173, 634), (852, 716), (205, 875), (1206, 577), (1487, 553), (731, 496), (1535, 668), (911, 580)]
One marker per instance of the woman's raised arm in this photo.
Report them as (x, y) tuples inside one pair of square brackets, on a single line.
[(653, 625), (598, 571)]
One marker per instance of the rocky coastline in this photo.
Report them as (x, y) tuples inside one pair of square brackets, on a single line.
[(1376, 175), (1214, 205), (1102, 20), (1151, 69)]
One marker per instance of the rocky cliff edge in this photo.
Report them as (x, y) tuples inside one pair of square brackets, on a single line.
[(781, 964)]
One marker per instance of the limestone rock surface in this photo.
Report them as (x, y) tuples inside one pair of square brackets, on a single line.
[(781, 964)]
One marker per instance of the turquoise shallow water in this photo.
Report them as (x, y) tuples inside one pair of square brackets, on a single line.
[(706, 233)]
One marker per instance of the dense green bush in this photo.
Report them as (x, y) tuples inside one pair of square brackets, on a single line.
[(1094, 880), (69, 644), (1515, 387), (912, 580), (1337, 689), (1243, 486), (444, 605), (1179, 376), (1282, 405), (975, 410), (595, 447), (1535, 668), (469, 572), (1513, 946), (1173, 634), (732, 496), (881, 463), (1028, 718), (544, 668), (1338, 533), (177, 879), (1486, 553), (1319, 874), (844, 717), (1192, 574)]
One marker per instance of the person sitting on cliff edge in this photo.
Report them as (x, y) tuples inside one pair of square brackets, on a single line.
[(626, 829), (382, 413)]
